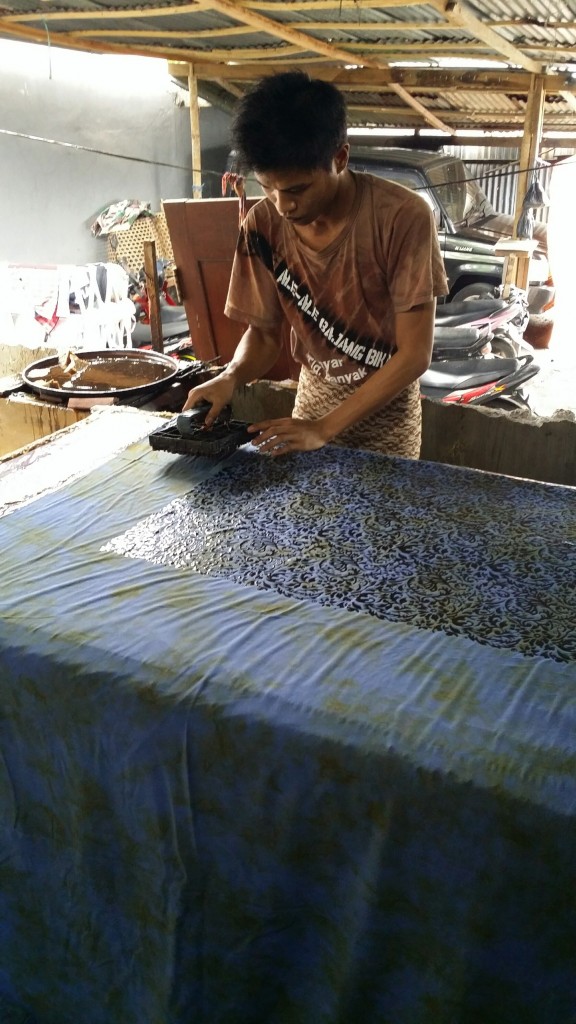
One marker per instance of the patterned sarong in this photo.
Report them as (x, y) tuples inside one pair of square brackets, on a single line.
[(394, 430)]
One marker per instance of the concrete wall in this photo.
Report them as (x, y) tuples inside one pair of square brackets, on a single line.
[(516, 443), (122, 124)]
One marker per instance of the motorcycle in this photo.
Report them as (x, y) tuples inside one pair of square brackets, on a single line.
[(172, 315), (479, 354)]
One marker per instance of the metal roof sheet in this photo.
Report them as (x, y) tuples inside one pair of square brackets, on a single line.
[(366, 46)]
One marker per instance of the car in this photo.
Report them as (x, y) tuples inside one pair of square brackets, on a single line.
[(468, 226)]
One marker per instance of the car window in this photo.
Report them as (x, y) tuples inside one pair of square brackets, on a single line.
[(464, 200)]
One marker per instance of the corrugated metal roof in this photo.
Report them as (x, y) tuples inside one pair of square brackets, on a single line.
[(364, 45)]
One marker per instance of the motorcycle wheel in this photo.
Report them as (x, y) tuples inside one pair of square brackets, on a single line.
[(503, 346)]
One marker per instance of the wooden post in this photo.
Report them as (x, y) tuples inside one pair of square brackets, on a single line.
[(152, 292), (529, 151), (530, 146), (195, 134), (517, 254)]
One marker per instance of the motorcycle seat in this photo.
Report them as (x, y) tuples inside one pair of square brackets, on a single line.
[(456, 337), (468, 373), (462, 319), (172, 314), (474, 309)]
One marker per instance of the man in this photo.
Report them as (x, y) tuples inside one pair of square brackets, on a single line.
[(351, 261)]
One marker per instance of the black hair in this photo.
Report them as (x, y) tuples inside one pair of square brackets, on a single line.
[(289, 121)]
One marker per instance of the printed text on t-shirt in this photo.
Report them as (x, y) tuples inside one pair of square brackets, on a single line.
[(360, 349)]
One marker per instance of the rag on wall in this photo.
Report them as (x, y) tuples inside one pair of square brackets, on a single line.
[(120, 216)]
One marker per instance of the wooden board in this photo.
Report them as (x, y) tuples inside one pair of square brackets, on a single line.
[(203, 234)]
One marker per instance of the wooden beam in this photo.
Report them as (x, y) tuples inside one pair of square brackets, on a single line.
[(281, 31), (251, 53), (380, 112), (438, 79), (529, 151), (460, 15), (531, 140), (549, 26), (101, 15), (318, 5), (123, 14), (231, 31), (166, 33), (427, 49), (456, 118), (153, 294), (72, 42), (230, 87), (373, 26)]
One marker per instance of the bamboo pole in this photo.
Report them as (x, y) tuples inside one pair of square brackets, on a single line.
[(195, 134)]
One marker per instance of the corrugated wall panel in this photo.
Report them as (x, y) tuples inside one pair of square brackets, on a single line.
[(498, 176)]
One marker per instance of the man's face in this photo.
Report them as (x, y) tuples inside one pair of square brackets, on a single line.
[(301, 197)]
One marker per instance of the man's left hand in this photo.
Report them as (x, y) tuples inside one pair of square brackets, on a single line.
[(280, 437)]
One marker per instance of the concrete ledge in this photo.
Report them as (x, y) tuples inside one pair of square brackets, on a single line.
[(24, 421)]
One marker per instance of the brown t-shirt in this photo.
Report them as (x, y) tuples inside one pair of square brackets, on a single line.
[(340, 302)]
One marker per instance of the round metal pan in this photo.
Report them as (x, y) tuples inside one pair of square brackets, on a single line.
[(123, 373)]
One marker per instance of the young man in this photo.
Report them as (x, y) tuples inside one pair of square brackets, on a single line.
[(351, 261)]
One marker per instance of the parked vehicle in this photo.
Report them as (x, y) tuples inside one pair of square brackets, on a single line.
[(172, 314), (480, 381), (479, 354), (499, 323)]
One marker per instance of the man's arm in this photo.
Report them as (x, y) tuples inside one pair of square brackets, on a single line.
[(414, 338), (256, 353)]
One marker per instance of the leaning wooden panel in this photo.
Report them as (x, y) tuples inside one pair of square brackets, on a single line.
[(203, 234)]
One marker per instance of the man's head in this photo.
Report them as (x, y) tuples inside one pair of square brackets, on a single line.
[(289, 121)]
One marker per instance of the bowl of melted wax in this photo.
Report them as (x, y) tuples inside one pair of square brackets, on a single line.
[(110, 372)]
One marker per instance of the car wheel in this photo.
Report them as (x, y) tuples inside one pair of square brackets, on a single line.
[(476, 290)]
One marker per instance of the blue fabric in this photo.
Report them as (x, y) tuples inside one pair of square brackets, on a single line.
[(225, 804), (388, 538)]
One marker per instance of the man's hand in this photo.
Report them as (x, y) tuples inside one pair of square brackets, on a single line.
[(280, 437), (218, 392), (256, 353)]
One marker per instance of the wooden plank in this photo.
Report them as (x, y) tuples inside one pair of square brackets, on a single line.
[(529, 150), (153, 294), (203, 236), (428, 78)]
